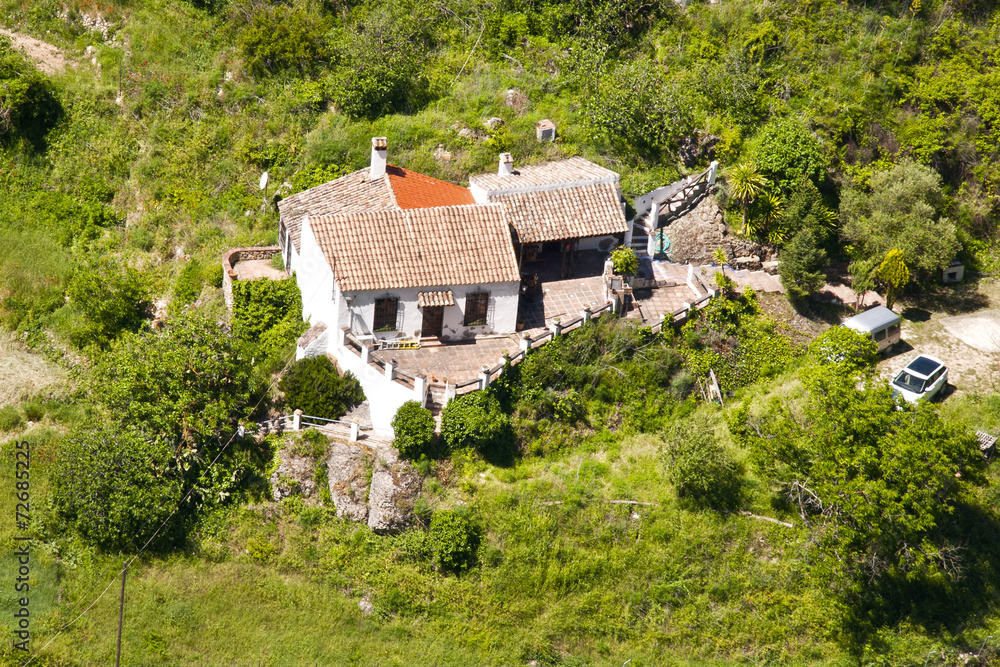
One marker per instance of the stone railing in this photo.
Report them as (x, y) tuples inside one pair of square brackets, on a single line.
[(236, 255), (443, 393)]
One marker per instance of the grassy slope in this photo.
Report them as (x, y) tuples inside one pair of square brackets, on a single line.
[(579, 580)]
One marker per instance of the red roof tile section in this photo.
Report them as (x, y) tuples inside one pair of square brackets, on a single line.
[(413, 190)]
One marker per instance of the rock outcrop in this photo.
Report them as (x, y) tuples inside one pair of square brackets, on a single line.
[(695, 236), (348, 468), (393, 493)]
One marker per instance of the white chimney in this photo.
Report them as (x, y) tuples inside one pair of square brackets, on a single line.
[(506, 165), (379, 148)]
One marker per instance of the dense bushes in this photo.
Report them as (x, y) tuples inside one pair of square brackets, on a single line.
[(314, 386), (454, 540), (702, 470), (268, 314), (115, 485), (29, 107), (476, 421), (413, 427), (112, 299)]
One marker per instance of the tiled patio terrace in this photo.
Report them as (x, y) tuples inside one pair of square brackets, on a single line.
[(462, 361)]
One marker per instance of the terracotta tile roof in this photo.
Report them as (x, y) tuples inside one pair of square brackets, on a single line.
[(445, 298), (566, 213), (352, 193), (563, 173), (356, 192), (426, 247), (413, 190)]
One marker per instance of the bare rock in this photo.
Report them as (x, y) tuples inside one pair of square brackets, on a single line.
[(493, 123), (394, 490), (348, 469), (771, 267), (516, 100), (366, 606), (441, 154), (294, 476)]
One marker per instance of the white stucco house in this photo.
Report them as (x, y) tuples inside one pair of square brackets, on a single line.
[(386, 253)]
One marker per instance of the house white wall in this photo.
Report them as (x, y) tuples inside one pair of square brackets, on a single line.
[(315, 279), (322, 301), (501, 313), (384, 395)]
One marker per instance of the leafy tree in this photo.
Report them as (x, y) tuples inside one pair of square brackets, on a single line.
[(846, 349), (29, 107), (116, 485), (903, 211), (314, 386), (636, 106), (894, 274), (281, 39), (454, 540), (801, 267), (786, 151), (476, 420), (704, 473), (186, 382), (112, 300), (413, 427), (873, 481), (380, 67)]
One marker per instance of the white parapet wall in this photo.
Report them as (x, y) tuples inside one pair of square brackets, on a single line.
[(384, 395)]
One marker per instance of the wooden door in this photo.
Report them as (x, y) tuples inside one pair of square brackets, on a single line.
[(433, 321)]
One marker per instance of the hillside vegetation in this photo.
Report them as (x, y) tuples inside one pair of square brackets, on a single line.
[(591, 508)]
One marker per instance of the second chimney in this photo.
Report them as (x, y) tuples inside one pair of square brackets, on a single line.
[(506, 165), (380, 147)]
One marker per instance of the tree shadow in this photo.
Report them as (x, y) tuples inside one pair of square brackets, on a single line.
[(942, 606), (915, 314), (951, 299), (822, 311)]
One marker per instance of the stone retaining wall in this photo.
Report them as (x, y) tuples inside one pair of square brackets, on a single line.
[(695, 235), (232, 257)]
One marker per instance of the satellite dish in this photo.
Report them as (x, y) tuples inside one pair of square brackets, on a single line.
[(263, 180)]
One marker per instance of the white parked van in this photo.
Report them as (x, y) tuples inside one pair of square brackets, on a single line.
[(880, 323)]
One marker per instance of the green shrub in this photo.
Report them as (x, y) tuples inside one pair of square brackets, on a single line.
[(213, 274), (702, 470), (188, 284), (33, 411), (27, 99), (10, 418), (268, 313), (115, 486), (625, 261), (314, 386), (281, 39), (454, 540), (475, 420), (111, 299), (844, 348), (413, 426)]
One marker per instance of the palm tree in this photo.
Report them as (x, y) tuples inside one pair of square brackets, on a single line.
[(745, 184)]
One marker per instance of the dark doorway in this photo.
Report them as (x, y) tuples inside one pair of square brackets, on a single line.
[(433, 321)]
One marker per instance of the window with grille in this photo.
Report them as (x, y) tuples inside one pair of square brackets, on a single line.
[(386, 311), (476, 308)]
